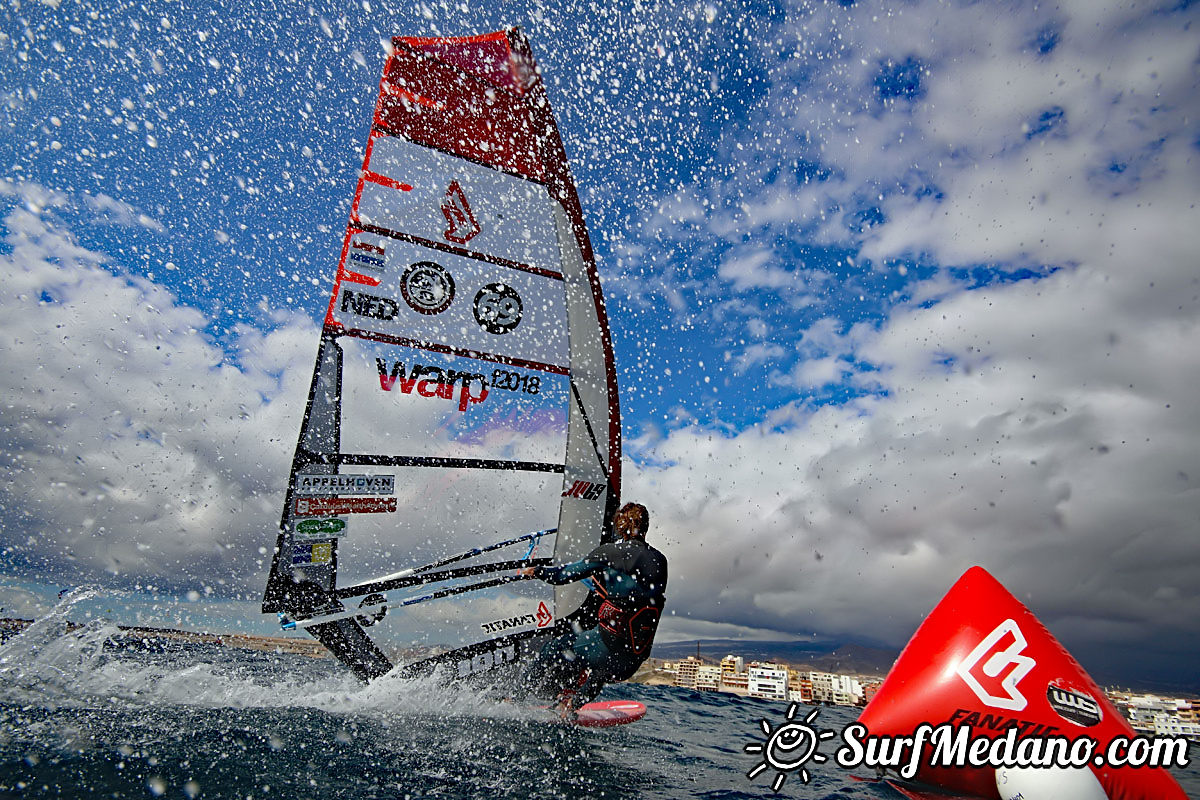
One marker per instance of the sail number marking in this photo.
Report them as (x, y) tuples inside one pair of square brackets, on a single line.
[(489, 659), (498, 308)]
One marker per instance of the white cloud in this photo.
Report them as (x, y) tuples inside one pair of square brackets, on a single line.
[(1077, 491), (755, 354), (676, 628), (112, 211), (1046, 429), (132, 445), (755, 267)]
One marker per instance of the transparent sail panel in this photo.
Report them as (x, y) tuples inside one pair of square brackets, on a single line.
[(407, 401)]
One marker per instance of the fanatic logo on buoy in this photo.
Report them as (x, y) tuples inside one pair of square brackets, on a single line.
[(995, 667)]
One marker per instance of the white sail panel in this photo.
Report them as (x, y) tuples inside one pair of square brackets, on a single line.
[(440, 198), (587, 482), (443, 512), (454, 302), (414, 632)]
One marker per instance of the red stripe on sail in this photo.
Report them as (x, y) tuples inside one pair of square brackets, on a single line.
[(384, 180)]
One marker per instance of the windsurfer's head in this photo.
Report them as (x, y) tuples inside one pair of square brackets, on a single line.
[(632, 521)]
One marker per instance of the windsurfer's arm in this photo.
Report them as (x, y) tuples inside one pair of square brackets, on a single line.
[(566, 573)]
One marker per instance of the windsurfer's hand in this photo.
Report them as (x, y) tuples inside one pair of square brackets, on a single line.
[(526, 572)]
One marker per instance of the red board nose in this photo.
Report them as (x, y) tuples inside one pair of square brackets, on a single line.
[(982, 659)]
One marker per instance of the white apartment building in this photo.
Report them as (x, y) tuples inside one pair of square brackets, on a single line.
[(840, 690), (708, 678), (1142, 709), (768, 681), (1171, 725)]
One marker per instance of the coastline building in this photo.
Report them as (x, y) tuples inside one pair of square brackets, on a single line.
[(1172, 725), (1161, 716), (799, 687), (732, 664), (849, 693), (736, 683), (767, 681), (822, 686), (1148, 713), (1141, 710), (734, 678), (833, 689), (686, 672), (708, 678)]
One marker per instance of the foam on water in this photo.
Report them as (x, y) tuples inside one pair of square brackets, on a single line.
[(84, 718), (49, 659), (52, 661)]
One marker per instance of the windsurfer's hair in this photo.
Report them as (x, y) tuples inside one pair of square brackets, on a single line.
[(639, 518)]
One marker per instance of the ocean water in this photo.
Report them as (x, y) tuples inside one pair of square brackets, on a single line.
[(82, 719)]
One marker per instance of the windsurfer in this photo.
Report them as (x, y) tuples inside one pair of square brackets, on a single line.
[(628, 580)]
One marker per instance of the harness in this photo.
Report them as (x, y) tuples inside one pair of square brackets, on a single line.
[(633, 627)]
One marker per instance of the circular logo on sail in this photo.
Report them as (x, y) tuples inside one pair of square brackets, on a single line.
[(427, 288), (498, 308)]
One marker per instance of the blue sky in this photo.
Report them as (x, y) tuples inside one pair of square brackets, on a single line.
[(896, 288)]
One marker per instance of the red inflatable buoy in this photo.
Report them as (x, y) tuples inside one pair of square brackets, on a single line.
[(982, 659)]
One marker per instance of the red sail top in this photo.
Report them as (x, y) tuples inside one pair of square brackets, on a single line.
[(489, 57), (464, 96)]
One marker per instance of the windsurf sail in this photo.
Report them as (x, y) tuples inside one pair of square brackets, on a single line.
[(462, 420)]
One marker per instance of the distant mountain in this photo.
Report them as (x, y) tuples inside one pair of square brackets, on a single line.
[(858, 659), (822, 656), (716, 649)]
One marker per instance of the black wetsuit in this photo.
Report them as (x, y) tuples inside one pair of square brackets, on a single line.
[(629, 581)]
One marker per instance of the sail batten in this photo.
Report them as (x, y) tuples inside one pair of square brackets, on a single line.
[(438, 347), (465, 388), (456, 250), (409, 581), (380, 460)]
